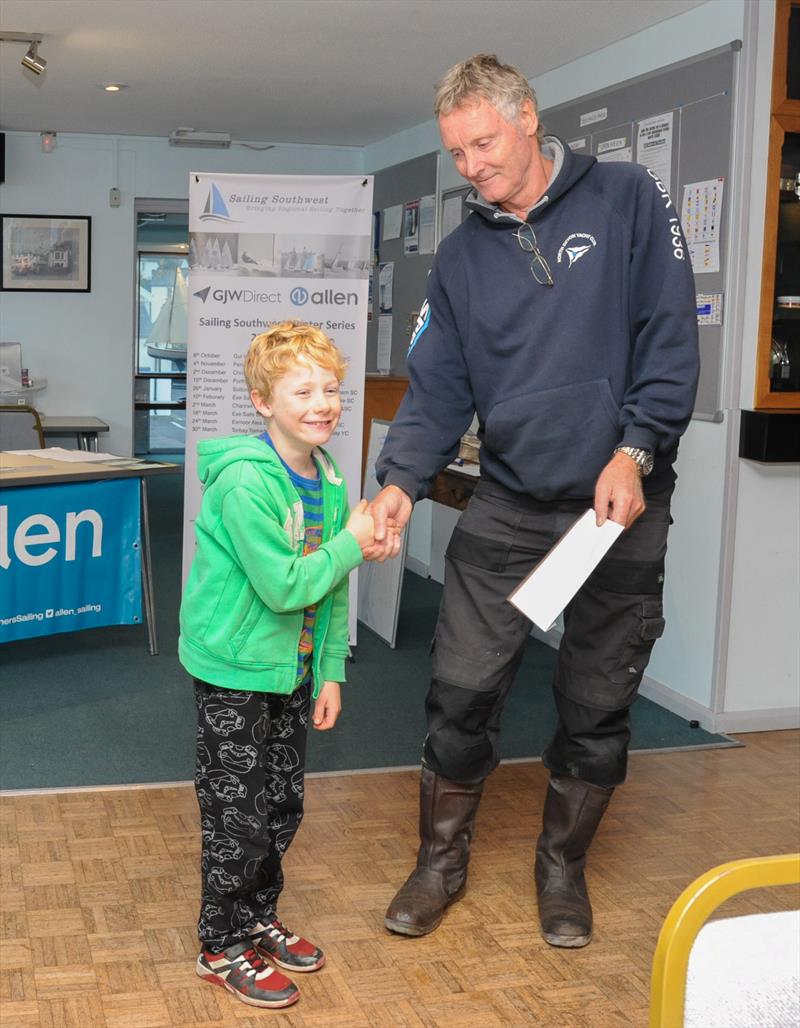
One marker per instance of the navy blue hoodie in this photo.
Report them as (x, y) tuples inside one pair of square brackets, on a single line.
[(558, 376)]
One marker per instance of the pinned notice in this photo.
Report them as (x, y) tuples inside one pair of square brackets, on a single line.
[(545, 592)]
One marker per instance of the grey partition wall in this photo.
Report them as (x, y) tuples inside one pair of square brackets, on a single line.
[(398, 185), (699, 93)]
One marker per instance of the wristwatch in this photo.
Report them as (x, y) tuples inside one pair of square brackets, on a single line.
[(643, 458)]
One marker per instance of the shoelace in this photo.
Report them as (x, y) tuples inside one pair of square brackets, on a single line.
[(279, 931), (256, 966)]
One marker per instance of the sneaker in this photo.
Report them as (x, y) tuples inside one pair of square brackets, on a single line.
[(275, 941), (240, 970)]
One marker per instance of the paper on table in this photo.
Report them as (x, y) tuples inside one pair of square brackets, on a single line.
[(70, 456), (545, 592)]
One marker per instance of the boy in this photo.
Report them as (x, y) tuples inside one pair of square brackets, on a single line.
[(264, 633)]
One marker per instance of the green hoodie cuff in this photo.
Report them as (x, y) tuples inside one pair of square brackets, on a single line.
[(332, 669), (347, 547)]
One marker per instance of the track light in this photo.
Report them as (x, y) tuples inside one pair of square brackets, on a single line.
[(32, 61)]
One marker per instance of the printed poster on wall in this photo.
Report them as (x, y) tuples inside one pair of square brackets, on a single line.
[(263, 249), (701, 217), (411, 227), (70, 558), (654, 146)]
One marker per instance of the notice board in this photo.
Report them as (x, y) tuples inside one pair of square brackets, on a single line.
[(398, 185), (695, 99)]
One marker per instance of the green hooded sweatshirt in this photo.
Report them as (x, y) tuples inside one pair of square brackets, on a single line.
[(242, 608)]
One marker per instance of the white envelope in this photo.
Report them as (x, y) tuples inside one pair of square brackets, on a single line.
[(545, 592)]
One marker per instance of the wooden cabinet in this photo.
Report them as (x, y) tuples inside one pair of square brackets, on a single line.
[(778, 358), (382, 396)]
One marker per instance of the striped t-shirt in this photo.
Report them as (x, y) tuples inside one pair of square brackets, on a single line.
[(310, 492)]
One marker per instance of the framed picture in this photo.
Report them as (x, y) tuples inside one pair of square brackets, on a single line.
[(45, 253)]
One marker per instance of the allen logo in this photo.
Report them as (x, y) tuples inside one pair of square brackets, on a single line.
[(26, 544), (332, 297)]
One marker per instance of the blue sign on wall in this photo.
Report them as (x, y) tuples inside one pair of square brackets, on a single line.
[(70, 557)]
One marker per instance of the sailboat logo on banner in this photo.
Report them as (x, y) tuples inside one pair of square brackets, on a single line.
[(215, 209)]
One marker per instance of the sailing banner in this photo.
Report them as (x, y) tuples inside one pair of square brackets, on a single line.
[(264, 249)]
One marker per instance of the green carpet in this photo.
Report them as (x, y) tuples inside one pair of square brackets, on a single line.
[(94, 708)]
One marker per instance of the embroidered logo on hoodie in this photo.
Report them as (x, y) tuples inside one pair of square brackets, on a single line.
[(575, 246), (423, 321)]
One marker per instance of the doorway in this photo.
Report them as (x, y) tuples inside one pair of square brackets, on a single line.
[(162, 267)]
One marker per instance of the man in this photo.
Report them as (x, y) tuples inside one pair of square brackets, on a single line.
[(562, 313)]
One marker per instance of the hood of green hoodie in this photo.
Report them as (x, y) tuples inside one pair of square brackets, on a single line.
[(214, 455)]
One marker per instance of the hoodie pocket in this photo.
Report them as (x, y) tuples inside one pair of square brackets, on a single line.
[(556, 441), (251, 618)]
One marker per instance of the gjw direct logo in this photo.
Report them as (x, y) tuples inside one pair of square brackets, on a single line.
[(238, 295), (215, 207), (299, 296)]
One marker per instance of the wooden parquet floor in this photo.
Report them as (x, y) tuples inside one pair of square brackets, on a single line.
[(99, 894)]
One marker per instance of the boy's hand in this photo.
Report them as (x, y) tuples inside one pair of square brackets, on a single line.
[(362, 526), (377, 551), (391, 509), (327, 706)]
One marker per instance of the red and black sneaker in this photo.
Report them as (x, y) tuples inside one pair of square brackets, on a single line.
[(240, 970), (276, 942)]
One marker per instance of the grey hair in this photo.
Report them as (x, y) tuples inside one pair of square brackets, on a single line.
[(483, 76)]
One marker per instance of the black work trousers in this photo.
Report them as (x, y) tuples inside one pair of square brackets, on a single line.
[(610, 627), (249, 780)]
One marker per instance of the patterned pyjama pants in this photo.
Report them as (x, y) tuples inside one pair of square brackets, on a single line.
[(249, 781)]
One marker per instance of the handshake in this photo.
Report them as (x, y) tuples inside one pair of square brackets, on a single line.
[(378, 525)]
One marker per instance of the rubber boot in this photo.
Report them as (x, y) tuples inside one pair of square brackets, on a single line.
[(572, 812), (447, 813)]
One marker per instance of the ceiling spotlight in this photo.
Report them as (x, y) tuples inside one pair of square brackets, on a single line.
[(32, 61), (113, 87)]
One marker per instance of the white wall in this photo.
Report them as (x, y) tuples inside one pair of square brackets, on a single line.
[(764, 651), (717, 545), (83, 342), (761, 684)]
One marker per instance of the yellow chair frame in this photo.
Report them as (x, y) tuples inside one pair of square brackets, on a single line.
[(687, 916), (24, 408)]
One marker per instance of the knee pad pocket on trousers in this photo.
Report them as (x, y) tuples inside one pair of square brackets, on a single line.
[(457, 745), (589, 743)]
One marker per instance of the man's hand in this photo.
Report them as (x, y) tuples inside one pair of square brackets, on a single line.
[(390, 510), (327, 706), (618, 494)]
